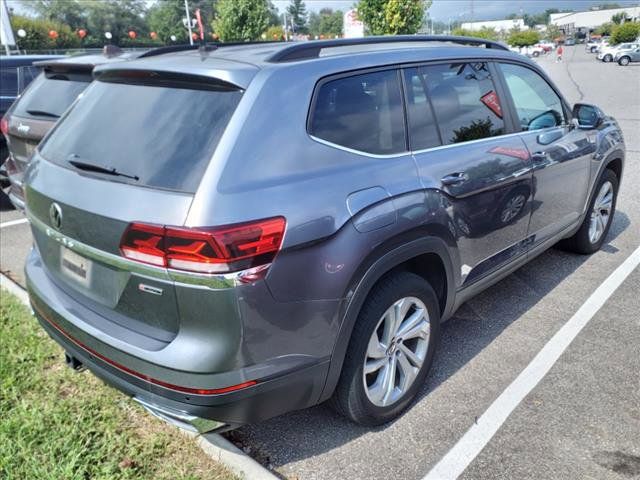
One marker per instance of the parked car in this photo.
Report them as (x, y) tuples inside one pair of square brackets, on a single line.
[(546, 45), (593, 45), (569, 42), (607, 54), (625, 57), (222, 268), (16, 72), (41, 105)]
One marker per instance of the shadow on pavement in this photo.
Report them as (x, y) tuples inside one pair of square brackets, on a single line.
[(307, 433)]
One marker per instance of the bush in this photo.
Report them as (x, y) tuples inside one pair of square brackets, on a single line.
[(275, 32), (485, 32), (627, 32), (523, 38), (37, 37)]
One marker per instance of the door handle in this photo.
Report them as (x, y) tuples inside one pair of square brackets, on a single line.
[(454, 178), (539, 157)]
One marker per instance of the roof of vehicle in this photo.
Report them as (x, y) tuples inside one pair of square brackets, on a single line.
[(21, 60), (239, 63)]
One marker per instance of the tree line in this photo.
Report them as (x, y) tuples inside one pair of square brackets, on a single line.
[(88, 23)]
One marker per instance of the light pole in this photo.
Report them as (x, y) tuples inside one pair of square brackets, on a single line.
[(186, 9)]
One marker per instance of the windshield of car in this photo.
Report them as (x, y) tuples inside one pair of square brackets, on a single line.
[(161, 135), (49, 96)]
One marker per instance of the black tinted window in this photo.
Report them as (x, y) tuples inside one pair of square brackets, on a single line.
[(537, 104), (163, 135), (423, 131), (8, 81), (363, 112), (465, 101), (49, 97)]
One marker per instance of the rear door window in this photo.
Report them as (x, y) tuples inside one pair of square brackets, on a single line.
[(49, 96), (363, 112), (161, 135), (465, 101)]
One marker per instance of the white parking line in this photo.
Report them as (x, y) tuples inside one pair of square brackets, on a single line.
[(476, 438), (14, 222)]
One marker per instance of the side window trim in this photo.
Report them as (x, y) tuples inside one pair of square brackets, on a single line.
[(355, 73), (405, 101), (512, 106)]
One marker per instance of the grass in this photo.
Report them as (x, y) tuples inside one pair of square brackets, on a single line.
[(59, 424)]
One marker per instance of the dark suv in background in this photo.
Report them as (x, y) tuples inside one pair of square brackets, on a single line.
[(16, 72), (235, 232)]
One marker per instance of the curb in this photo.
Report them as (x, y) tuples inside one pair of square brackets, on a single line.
[(212, 444)]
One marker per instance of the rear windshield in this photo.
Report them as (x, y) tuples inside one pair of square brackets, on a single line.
[(155, 136), (50, 95)]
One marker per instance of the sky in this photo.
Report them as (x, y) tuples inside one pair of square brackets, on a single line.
[(455, 9), (483, 9)]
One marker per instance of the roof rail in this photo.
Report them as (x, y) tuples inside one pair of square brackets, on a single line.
[(307, 50), (168, 49), (203, 47)]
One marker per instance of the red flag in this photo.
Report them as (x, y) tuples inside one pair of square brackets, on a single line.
[(199, 18)]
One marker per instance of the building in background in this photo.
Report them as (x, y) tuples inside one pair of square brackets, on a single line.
[(573, 22), (498, 25)]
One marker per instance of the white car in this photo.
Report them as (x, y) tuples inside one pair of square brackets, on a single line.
[(533, 51), (607, 54)]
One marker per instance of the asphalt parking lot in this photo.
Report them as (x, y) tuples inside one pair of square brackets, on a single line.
[(582, 420)]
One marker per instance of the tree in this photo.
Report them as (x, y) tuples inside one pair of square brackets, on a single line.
[(605, 29), (325, 23), (523, 38), (619, 17), (165, 18), (274, 15), (297, 10), (392, 17), (241, 20), (37, 34), (115, 16), (485, 32), (627, 32)]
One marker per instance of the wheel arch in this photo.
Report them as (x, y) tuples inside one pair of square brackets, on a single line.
[(429, 253)]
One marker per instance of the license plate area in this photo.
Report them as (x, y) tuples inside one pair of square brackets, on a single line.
[(76, 267)]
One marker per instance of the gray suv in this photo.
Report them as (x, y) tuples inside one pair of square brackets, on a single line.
[(236, 232)]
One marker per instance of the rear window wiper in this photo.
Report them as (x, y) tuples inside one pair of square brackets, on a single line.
[(90, 167), (42, 113)]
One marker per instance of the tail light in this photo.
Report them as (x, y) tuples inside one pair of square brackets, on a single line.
[(205, 249), (4, 125)]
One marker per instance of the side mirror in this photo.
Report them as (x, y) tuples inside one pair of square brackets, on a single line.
[(588, 116)]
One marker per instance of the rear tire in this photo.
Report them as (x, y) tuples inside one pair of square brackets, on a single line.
[(624, 61), (595, 226), (390, 355)]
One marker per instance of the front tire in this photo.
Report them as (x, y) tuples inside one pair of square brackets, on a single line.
[(607, 58), (391, 350), (595, 226), (624, 61)]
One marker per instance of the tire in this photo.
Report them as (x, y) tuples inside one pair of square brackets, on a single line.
[(536, 54), (607, 58), (355, 393), (582, 241), (593, 49), (624, 61)]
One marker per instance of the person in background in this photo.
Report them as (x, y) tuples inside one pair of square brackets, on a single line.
[(559, 51)]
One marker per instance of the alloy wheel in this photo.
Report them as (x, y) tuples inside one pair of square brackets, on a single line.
[(396, 351), (601, 212), (512, 208)]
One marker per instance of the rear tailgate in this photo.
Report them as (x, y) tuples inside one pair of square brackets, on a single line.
[(132, 149)]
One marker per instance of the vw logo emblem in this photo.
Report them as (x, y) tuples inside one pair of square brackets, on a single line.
[(55, 215)]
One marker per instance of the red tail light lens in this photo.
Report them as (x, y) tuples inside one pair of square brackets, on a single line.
[(205, 250), (4, 125)]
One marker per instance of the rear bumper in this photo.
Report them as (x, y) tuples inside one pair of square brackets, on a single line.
[(297, 387)]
